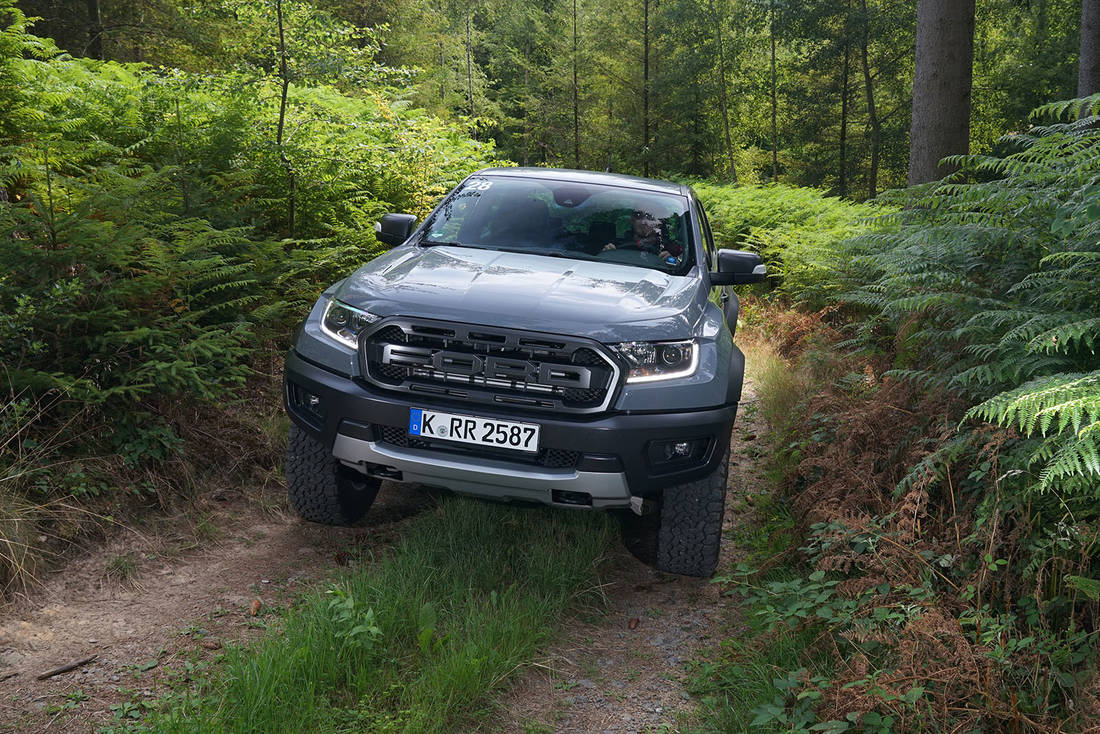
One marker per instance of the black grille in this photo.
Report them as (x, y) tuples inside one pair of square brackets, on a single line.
[(546, 457), (482, 364)]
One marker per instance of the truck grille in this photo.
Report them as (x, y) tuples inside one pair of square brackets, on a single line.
[(489, 365), (546, 457)]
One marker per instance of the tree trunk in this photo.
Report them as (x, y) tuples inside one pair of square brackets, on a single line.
[(576, 97), (527, 101), (442, 75), (95, 30), (610, 132), (842, 178), (469, 66), (872, 113), (722, 91), (645, 88), (775, 102), (284, 78), (696, 153), (942, 78), (1088, 75)]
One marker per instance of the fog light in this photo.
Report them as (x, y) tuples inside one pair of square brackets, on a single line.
[(677, 450), (676, 455), (306, 405)]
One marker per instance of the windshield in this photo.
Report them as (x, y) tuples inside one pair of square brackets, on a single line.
[(564, 219)]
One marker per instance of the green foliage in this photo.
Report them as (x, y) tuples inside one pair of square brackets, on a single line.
[(149, 258), (414, 642), (994, 271), (798, 231), (143, 213)]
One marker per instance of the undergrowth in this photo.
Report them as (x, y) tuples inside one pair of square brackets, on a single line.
[(923, 605), (415, 641), (160, 240), (938, 442)]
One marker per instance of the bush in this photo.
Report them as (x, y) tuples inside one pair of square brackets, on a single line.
[(947, 481), (150, 254), (797, 231)]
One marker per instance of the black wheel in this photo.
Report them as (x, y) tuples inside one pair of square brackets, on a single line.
[(684, 534), (320, 488)]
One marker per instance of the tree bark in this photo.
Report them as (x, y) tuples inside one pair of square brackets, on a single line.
[(1088, 74), (284, 79), (872, 112), (95, 30), (576, 97), (842, 178), (645, 88), (722, 91), (775, 102), (527, 101), (469, 65), (942, 78)]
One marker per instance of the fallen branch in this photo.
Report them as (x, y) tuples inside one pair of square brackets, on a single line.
[(5, 676), (66, 668)]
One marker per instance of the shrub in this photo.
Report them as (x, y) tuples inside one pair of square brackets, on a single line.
[(798, 232)]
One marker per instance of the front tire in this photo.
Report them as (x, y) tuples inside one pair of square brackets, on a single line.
[(684, 535), (320, 488)]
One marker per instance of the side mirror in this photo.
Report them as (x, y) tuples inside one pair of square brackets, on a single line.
[(736, 267), (393, 229)]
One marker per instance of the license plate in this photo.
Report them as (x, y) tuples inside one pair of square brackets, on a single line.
[(471, 429)]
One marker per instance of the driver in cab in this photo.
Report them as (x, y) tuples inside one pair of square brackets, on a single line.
[(646, 235)]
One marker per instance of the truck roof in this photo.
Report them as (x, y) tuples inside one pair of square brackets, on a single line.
[(593, 177)]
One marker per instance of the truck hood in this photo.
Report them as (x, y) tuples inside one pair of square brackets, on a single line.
[(605, 301)]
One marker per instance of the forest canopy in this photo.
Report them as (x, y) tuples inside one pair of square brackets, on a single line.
[(653, 86)]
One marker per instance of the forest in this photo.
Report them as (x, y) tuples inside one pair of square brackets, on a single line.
[(179, 180)]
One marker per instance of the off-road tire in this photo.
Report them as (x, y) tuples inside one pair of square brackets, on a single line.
[(690, 531), (683, 533), (321, 489)]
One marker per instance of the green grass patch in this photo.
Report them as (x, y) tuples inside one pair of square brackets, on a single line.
[(751, 670), (416, 641)]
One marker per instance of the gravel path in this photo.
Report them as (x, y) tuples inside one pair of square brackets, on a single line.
[(618, 668), (622, 669)]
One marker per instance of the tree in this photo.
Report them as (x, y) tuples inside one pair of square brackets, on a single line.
[(722, 87), (576, 96), (1088, 74), (775, 102), (873, 120), (95, 30), (645, 87), (942, 81)]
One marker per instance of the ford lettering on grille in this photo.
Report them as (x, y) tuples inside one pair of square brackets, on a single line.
[(489, 365)]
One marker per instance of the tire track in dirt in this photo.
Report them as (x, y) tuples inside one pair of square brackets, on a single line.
[(623, 669), (178, 610), (617, 669)]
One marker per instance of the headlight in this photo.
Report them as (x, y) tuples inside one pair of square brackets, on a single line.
[(343, 323), (651, 361)]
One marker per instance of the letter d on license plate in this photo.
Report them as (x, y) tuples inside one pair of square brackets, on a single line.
[(475, 430)]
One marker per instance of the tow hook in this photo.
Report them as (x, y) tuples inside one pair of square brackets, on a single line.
[(641, 506)]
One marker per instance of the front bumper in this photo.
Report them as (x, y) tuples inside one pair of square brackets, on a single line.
[(613, 457)]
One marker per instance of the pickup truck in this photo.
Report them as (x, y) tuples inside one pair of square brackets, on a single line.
[(549, 336)]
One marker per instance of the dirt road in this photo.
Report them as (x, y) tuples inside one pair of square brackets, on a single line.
[(152, 609)]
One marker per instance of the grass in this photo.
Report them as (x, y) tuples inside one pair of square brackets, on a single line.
[(121, 568), (749, 669), (418, 640), (744, 677)]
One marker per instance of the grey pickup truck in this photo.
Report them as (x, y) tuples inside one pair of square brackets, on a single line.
[(548, 336)]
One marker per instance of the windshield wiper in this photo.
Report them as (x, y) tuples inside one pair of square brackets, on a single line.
[(567, 254), (423, 242)]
